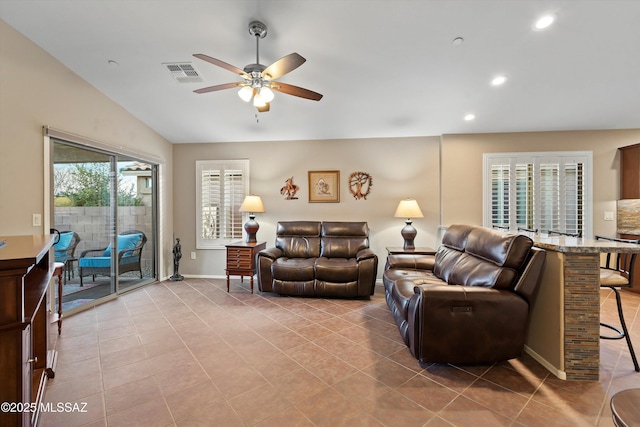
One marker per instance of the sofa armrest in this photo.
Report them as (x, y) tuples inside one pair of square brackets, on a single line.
[(266, 257), (271, 253), (411, 261), (532, 274), (470, 324), (365, 253)]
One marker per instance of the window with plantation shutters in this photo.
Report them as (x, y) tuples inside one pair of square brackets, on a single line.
[(221, 186), (538, 191)]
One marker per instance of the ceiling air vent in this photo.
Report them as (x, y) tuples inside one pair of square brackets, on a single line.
[(183, 72)]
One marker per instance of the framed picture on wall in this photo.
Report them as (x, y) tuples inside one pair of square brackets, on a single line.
[(324, 186)]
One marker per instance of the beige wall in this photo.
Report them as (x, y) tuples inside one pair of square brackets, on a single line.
[(401, 168), (37, 90), (462, 168)]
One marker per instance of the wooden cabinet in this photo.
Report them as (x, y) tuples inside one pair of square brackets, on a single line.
[(241, 260), (630, 172), (26, 361)]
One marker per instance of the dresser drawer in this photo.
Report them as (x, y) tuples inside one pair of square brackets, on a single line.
[(239, 253), (240, 264)]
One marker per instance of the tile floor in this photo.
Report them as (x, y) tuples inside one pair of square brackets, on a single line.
[(190, 354)]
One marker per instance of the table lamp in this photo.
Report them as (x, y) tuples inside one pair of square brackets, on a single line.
[(252, 204), (408, 208)]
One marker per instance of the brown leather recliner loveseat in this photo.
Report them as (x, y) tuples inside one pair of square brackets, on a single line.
[(312, 258), (468, 303)]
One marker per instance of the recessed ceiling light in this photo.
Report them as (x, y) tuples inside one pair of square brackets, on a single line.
[(498, 80), (545, 21), (458, 41), (469, 117), (112, 63)]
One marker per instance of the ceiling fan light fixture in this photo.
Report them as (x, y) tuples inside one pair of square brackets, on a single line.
[(266, 94), (258, 81), (245, 93), (259, 101)]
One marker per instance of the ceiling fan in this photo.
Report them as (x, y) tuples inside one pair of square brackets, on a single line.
[(258, 83)]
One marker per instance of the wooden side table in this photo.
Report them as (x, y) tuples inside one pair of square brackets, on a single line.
[(241, 260), (424, 250)]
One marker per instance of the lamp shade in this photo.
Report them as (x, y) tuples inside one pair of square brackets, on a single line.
[(408, 208), (252, 204), (245, 92)]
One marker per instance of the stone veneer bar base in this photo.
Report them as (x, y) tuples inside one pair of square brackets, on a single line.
[(581, 316)]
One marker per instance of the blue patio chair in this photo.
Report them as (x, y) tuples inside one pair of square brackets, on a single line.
[(98, 261), (65, 248)]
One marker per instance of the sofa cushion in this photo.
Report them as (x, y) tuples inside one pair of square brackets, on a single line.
[(293, 269), (342, 247), (472, 271), (456, 236), (298, 239), (299, 246), (338, 270), (505, 250), (487, 258), (343, 239)]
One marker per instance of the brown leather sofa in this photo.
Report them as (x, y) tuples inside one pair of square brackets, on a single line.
[(468, 303), (312, 258)]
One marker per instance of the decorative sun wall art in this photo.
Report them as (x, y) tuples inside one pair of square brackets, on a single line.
[(360, 184)]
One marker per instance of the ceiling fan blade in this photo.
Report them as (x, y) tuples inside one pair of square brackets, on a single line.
[(218, 87), (222, 64), (264, 108), (296, 91), (283, 66)]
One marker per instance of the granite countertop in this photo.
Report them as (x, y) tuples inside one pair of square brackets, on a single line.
[(580, 245)]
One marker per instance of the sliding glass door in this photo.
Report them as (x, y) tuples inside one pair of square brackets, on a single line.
[(104, 208)]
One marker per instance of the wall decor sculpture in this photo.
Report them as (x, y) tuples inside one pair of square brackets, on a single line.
[(324, 186), (360, 184), (289, 190)]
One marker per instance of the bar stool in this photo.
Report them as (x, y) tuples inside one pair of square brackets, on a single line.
[(58, 270), (624, 408), (618, 273)]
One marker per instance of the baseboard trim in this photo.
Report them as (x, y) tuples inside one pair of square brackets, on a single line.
[(541, 360), (204, 276)]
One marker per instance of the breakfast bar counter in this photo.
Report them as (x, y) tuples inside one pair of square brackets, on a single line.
[(564, 331)]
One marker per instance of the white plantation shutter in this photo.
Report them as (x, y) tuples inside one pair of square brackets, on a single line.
[(500, 195), (524, 197), (549, 197), (544, 191), (221, 188)]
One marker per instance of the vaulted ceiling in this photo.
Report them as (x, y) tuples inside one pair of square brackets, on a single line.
[(386, 68)]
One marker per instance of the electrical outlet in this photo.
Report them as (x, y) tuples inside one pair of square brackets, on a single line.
[(193, 255), (36, 220), (608, 216)]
